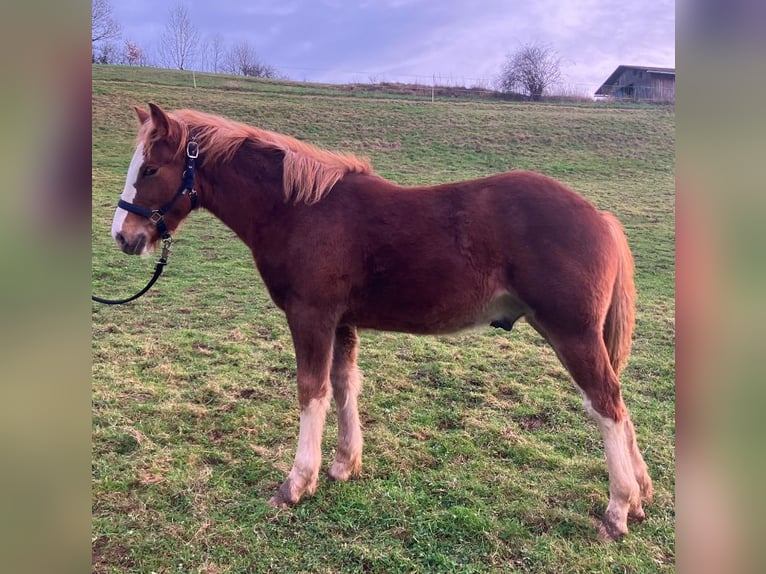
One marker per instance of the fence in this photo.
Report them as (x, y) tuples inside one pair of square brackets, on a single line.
[(431, 86)]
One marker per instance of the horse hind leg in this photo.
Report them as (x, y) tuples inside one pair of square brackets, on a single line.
[(585, 357), (346, 384), (625, 490), (640, 470)]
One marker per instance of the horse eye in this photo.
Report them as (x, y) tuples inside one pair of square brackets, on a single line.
[(149, 171)]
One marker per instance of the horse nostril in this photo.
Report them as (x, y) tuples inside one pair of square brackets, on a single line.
[(120, 238)]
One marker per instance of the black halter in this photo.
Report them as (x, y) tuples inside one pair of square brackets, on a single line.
[(157, 216)]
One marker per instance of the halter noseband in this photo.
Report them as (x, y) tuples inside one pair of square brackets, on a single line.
[(157, 216)]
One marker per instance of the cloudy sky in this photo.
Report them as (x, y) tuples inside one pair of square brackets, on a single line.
[(462, 42)]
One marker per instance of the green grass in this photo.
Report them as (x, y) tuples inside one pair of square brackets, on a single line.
[(479, 456)]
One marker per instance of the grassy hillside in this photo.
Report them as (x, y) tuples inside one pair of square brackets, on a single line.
[(478, 454)]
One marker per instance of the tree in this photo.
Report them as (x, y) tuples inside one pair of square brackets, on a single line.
[(215, 47), (179, 39), (103, 25), (107, 54), (134, 55), (242, 59), (531, 70), (211, 53)]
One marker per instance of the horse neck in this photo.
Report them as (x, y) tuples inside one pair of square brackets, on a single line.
[(245, 193)]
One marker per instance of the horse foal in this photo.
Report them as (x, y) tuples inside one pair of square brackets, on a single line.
[(340, 249)]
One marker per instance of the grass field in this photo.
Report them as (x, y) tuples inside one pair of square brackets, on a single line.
[(479, 456)]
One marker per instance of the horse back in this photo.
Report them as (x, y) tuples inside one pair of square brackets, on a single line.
[(443, 258)]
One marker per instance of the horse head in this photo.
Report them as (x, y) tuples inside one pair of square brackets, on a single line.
[(158, 192)]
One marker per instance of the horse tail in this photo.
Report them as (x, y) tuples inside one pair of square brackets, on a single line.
[(620, 317)]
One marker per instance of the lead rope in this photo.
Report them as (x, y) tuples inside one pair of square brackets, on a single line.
[(158, 268)]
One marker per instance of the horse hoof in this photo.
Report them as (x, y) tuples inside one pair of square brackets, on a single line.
[(285, 496), (339, 472), (342, 471), (277, 502), (609, 532), (636, 514), (646, 488)]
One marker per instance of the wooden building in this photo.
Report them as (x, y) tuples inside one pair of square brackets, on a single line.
[(640, 84)]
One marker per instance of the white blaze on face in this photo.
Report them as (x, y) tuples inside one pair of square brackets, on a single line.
[(129, 192)]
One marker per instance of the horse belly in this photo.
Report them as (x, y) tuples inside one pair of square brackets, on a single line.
[(439, 313), (503, 311)]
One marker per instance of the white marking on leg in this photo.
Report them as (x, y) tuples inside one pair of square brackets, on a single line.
[(348, 458), (129, 191), (308, 456), (640, 470), (623, 488)]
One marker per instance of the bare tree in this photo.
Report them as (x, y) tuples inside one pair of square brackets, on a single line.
[(242, 59), (203, 49), (216, 48), (107, 53), (103, 25), (211, 53), (531, 70), (178, 43)]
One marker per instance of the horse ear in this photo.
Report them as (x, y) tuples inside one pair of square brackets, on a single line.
[(141, 114), (160, 120)]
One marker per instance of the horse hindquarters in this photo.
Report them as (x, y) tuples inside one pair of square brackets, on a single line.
[(591, 334)]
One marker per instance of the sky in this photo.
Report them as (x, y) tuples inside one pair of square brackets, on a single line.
[(459, 42)]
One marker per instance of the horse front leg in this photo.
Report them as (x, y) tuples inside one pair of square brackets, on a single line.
[(313, 339), (346, 384)]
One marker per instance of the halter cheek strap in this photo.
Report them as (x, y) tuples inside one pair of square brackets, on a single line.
[(157, 216)]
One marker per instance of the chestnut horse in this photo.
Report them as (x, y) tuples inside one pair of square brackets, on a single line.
[(340, 249)]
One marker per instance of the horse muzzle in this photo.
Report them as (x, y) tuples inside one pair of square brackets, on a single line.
[(132, 246)]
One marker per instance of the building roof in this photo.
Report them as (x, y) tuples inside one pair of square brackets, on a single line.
[(612, 80)]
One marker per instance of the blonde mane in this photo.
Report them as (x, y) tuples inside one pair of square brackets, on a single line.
[(309, 172)]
